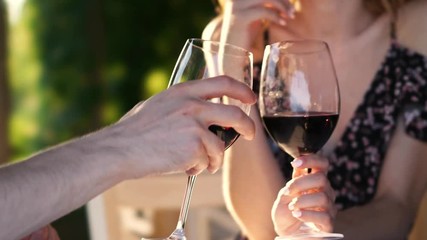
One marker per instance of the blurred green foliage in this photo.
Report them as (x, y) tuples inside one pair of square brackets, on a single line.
[(77, 65)]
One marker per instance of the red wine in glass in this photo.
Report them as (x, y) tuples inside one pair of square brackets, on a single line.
[(226, 134), (301, 133)]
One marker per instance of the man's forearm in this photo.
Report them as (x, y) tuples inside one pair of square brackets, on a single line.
[(36, 192)]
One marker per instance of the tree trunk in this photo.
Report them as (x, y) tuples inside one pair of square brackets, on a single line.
[(4, 86), (96, 40)]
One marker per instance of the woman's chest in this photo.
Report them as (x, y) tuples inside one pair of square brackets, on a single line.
[(356, 67)]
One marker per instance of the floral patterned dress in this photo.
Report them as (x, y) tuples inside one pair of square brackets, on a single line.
[(398, 92)]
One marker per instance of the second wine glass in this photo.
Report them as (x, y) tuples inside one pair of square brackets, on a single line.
[(201, 60), (300, 104)]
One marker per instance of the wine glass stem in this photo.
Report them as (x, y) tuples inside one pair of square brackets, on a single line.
[(186, 202)]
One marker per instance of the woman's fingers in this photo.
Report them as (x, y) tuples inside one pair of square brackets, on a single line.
[(307, 193), (314, 207), (320, 219), (309, 164), (316, 201), (265, 13), (314, 162), (284, 8), (310, 182), (312, 197)]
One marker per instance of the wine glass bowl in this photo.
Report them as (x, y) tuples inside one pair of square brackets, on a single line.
[(299, 103), (299, 95), (201, 60)]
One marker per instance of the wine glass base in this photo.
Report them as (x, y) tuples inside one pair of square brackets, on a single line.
[(308, 236)]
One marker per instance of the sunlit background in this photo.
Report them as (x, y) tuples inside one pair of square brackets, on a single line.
[(14, 9), (73, 66)]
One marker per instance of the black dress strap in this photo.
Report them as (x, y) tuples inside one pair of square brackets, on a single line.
[(393, 9), (393, 28)]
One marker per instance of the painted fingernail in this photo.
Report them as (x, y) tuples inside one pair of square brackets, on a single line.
[(282, 22), (296, 213), (291, 206), (296, 163), (285, 191)]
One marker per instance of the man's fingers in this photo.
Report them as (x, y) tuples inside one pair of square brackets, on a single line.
[(217, 87), (214, 150), (228, 116), (211, 153)]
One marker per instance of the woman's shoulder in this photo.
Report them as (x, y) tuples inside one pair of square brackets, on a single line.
[(412, 26)]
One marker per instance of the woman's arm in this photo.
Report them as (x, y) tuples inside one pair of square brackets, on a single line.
[(402, 184), (252, 179)]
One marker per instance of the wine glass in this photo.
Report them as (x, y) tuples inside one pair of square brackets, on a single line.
[(202, 59), (299, 104)]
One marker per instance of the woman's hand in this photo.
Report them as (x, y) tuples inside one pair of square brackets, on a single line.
[(307, 197), (243, 22)]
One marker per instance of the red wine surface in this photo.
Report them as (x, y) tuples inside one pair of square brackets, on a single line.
[(301, 133)]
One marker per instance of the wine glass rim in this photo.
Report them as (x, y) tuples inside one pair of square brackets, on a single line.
[(237, 49), (318, 46)]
